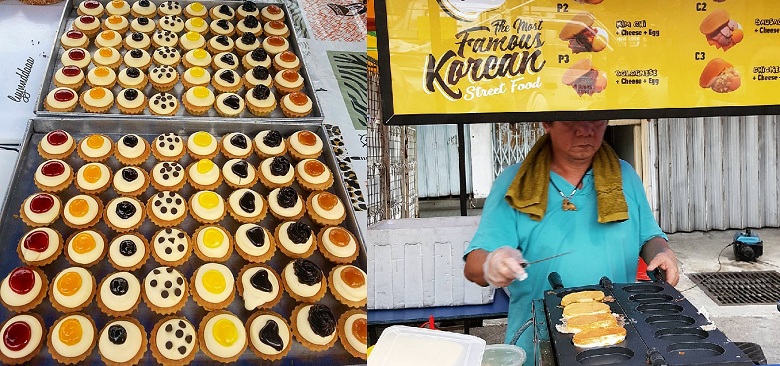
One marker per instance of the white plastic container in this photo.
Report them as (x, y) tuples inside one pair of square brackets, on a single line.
[(406, 346), (503, 355)]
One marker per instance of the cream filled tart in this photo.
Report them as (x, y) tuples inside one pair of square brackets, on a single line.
[(195, 9), (171, 246), (212, 243), (275, 45), (61, 100), (259, 286), (337, 244), (119, 294), (130, 181), (165, 290), (22, 338), (260, 101), (132, 149), (269, 335), (107, 57), (258, 57), (140, 60), (93, 178), (296, 239), (109, 38), (229, 105), (286, 204), (247, 206), (314, 325), (224, 60), (72, 338), (246, 9), (305, 145), (168, 147), (196, 76), (174, 341), (276, 28), (124, 214), (204, 175), (213, 286), (40, 209), (198, 100), (276, 172), (169, 7), (202, 145), (53, 176), (168, 176), (255, 243), (313, 175), (131, 101), (222, 336), (91, 7), (118, 23), (325, 208), (56, 144), (118, 7), (163, 104), (288, 81), (226, 81), (221, 27), (222, 12), (270, 143), (82, 211), (97, 100), (87, 24), (250, 24), (23, 289), (348, 285), (238, 173), (163, 38), (271, 13), (207, 207), (171, 23), (353, 332), (166, 55), (163, 78), (196, 24), (95, 148), (85, 248), (70, 77), (259, 75), (72, 289), (128, 252), (197, 57), (145, 25), (192, 40), (219, 44), (296, 105), (247, 43), (166, 209), (304, 280), (143, 8), (39, 247), (236, 145), (122, 341)]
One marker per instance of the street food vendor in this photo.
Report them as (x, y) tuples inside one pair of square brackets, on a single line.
[(571, 193)]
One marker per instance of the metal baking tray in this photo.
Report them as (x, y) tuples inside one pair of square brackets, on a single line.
[(22, 186), (70, 13)]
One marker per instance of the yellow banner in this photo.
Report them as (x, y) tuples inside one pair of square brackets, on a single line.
[(493, 56)]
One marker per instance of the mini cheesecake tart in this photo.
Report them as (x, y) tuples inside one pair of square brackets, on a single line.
[(286, 204), (61, 100), (122, 341), (271, 13), (171, 23), (288, 81), (72, 338), (91, 7), (287, 61), (270, 143), (97, 100), (166, 209), (213, 286), (22, 338), (258, 57), (96, 148), (260, 101), (202, 145), (296, 239), (196, 76), (198, 100), (229, 105), (224, 60), (276, 172), (314, 325), (118, 7), (119, 294), (132, 149), (247, 43), (192, 40), (107, 57), (128, 252), (23, 289), (124, 214), (296, 105), (137, 40), (53, 176), (337, 244), (169, 7), (168, 147), (236, 145), (130, 181), (247, 206), (246, 9), (145, 25), (212, 243), (270, 337), (222, 336), (131, 101), (276, 28), (56, 144), (116, 22), (259, 75), (85, 248), (82, 211), (168, 176), (69, 77), (39, 247), (174, 341), (348, 285), (259, 286), (163, 104), (40, 209), (76, 56), (74, 38), (139, 59), (87, 24), (162, 38), (250, 24), (238, 173), (255, 243), (304, 280), (197, 57), (305, 145), (219, 44), (313, 175), (226, 81), (171, 246), (207, 207), (222, 12), (222, 27), (109, 38), (163, 78), (166, 55), (204, 175), (165, 290), (275, 44), (93, 178), (195, 10), (72, 289), (325, 208), (143, 8), (132, 78), (353, 332)]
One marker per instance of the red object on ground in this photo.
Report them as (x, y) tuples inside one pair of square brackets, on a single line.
[(641, 271), (429, 324)]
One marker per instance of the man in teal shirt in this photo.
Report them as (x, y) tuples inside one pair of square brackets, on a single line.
[(507, 237)]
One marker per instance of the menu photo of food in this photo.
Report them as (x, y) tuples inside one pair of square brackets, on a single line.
[(721, 31), (720, 76), (581, 34), (584, 78)]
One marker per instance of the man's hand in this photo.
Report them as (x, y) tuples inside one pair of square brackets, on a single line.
[(502, 266), (661, 256)]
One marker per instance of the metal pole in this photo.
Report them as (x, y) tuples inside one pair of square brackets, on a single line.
[(462, 168)]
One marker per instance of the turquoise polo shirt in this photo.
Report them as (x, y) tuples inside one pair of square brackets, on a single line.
[(599, 249)]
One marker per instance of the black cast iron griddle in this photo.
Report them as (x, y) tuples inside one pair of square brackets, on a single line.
[(662, 328)]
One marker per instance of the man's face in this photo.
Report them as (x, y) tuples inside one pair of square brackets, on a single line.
[(576, 140)]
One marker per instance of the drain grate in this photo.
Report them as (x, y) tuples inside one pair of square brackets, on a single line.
[(740, 288)]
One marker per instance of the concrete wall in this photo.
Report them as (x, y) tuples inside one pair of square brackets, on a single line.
[(416, 263)]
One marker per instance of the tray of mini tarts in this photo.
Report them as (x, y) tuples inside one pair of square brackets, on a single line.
[(13, 229), (70, 14)]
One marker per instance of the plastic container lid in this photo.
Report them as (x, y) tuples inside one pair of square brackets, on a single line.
[(503, 355), (406, 346)]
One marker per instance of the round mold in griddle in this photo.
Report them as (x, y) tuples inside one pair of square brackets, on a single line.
[(681, 334), (605, 356), (696, 349), (643, 288), (650, 298), (669, 321), (659, 309)]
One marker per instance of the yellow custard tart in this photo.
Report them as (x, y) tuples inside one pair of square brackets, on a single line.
[(197, 57)]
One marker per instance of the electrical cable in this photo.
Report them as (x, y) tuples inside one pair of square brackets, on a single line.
[(720, 266), (10, 148)]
